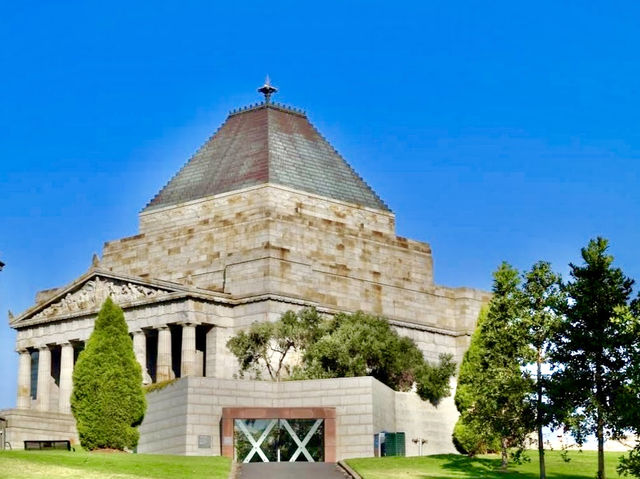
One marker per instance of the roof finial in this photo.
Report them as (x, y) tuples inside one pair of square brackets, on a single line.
[(267, 90)]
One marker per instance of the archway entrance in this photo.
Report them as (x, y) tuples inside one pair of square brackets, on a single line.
[(279, 434), (279, 440)]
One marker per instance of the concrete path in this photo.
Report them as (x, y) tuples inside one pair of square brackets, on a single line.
[(291, 470)]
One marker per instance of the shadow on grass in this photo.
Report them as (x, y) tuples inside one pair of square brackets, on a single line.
[(464, 467), (481, 468)]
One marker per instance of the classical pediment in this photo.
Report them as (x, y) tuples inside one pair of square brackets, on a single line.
[(87, 293), (94, 292)]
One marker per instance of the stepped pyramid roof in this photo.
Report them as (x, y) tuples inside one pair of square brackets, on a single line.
[(267, 143)]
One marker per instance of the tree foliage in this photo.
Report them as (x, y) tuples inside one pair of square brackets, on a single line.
[(596, 350), (629, 320), (347, 345), (468, 441), (493, 387), (270, 345), (543, 297), (108, 401), (465, 438), (360, 344)]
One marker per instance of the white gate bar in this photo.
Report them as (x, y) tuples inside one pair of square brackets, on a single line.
[(256, 444), (301, 444)]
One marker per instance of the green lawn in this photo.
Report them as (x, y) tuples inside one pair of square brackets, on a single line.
[(583, 465), (86, 465)]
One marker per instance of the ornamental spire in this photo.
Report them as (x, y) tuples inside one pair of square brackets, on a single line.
[(267, 90)]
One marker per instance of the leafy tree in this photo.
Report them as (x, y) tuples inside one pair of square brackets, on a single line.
[(595, 349), (346, 346), (468, 441), (107, 400), (496, 389), (270, 345), (542, 298), (360, 344), (465, 438)]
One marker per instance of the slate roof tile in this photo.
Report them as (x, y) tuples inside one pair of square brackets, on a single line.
[(267, 143)]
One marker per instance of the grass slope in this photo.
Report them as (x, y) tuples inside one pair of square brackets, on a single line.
[(582, 465), (86, 465)]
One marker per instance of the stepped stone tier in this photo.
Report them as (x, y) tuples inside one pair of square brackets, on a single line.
[(266, 217)]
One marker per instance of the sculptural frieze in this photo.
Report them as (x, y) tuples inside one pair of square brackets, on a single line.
[(94, 292)]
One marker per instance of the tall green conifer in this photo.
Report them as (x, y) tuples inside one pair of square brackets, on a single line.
[(595, 349), (465, 438), (497, 387), (542, 299), (107, 400)]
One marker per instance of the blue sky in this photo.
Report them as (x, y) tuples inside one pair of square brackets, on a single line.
[(494, 130)]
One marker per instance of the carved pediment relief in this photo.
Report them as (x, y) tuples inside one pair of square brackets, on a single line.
[(93, 293)]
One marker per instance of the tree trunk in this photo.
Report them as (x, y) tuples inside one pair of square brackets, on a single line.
[(505, 458), (543, 474), (600, 435), (599, 423)]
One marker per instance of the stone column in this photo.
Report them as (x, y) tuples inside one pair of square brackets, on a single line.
[(140, 350), (44, 378), (24, 380), (188, 352), (163, 364), (66, 377)]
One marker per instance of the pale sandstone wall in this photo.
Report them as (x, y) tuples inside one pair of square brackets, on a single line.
[(364, 406), (419, 419), (204, 399), (256, 201), (25, 425), (353, 400), (272, 240), (164, 427), (384, 408)]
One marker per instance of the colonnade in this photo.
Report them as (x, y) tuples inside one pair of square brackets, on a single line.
[(164, 369)]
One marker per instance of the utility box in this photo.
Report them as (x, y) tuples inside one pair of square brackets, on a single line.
[(389, 444), (394, 444)]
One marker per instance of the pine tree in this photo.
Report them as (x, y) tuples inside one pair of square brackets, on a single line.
[(542, 298), (498, 388), (465, 438), (107, 400), (595, 349)]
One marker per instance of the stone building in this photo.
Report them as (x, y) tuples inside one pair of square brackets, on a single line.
[(264, 218)]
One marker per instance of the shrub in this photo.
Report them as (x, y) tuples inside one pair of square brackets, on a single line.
[(469, 442), (108, 400)]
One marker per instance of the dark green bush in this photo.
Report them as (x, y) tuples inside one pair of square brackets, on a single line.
[(468, 442), (108, 400)]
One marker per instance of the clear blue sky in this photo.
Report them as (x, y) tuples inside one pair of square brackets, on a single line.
[(494, 130)]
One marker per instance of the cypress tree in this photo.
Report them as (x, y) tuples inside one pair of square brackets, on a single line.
[(108, 400)]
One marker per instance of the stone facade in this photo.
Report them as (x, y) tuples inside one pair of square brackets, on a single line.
[(193, 407), (200, 270)]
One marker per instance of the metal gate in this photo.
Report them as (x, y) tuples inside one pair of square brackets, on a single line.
[(279, 440)]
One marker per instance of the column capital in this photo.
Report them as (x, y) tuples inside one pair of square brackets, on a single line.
[(64, 343), (137, 332), (162, 327), (188, 323), (22, 350), (42, 348)]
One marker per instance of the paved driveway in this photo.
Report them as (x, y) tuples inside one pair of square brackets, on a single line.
[(291, 470)]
